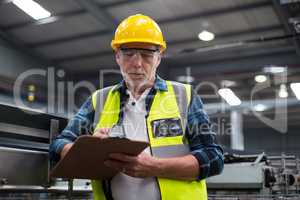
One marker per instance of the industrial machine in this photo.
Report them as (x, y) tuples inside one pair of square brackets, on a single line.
[(25, 136), (257, 177)]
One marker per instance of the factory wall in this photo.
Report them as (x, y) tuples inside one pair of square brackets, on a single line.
[(13, 62), (272, 142)]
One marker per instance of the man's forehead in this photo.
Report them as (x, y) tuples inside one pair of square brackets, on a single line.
[(140, 45)]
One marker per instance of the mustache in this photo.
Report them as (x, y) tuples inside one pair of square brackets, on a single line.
[(135, 72)]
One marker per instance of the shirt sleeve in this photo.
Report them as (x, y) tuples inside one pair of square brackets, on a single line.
[(202, 140), (81, 123)]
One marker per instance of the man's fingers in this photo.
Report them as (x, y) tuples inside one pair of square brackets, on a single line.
[(101, 132), (100, 135), (125, 168), (105, 130), (122, 157), (65, 149)]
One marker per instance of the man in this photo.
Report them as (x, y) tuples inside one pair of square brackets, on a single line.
[(166, 114)]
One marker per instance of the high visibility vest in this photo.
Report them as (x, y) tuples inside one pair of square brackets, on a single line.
[(170, 104)]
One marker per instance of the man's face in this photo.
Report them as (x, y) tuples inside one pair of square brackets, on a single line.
[(138, 63)]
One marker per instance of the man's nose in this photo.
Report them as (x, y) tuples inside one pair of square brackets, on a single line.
[(137, 59)]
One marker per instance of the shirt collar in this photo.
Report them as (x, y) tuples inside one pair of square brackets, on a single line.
[(159, 84)]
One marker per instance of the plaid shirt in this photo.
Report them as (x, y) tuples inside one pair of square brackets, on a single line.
[(201, 139)]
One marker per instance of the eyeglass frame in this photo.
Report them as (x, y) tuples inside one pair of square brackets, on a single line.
[(143, 52)]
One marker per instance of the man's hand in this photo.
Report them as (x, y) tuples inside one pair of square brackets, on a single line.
[(143, 165), (65, 150), (102, 132)]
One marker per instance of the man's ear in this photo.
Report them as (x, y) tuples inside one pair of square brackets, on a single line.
[(118, 57), (158, 60)]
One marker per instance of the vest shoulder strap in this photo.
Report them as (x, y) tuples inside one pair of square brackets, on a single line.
[(99, 98), (182, 93)]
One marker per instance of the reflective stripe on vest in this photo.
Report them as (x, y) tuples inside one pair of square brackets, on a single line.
[(183, 98), (171, 104), (98, 100)]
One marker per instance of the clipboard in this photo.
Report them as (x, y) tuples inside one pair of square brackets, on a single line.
[(85, 159)]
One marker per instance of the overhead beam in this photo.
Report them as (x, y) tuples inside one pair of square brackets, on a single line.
[(27, 51), (32, 22), (284, 16), (120, 3), (100, 13), (70, 14), (175, 42), (219, 11), (252, 58), (230, 34), (209, 13), (68, 39), (84, 56)]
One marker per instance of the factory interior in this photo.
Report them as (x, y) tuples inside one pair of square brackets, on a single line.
[(242, 57)]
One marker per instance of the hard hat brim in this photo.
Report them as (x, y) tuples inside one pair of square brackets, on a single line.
[(116, 44)]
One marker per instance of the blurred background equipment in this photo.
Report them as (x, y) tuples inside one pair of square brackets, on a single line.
[(241, 56), (257, 176)]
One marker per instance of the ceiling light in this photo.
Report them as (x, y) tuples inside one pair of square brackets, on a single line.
[(274, 69), (296, 89), (229, 96), (283, 91), (206, 36), (32, 8), (228, 83), (31, 88), (260, 78), (30, 96), (260, 107)]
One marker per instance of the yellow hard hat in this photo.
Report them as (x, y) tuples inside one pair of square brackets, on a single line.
[(138, 28)]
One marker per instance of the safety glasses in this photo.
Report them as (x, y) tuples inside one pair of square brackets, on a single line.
[(147, 54)]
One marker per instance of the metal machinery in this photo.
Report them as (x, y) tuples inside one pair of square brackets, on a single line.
[(24, 161), (24, 166), (257, 177)]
